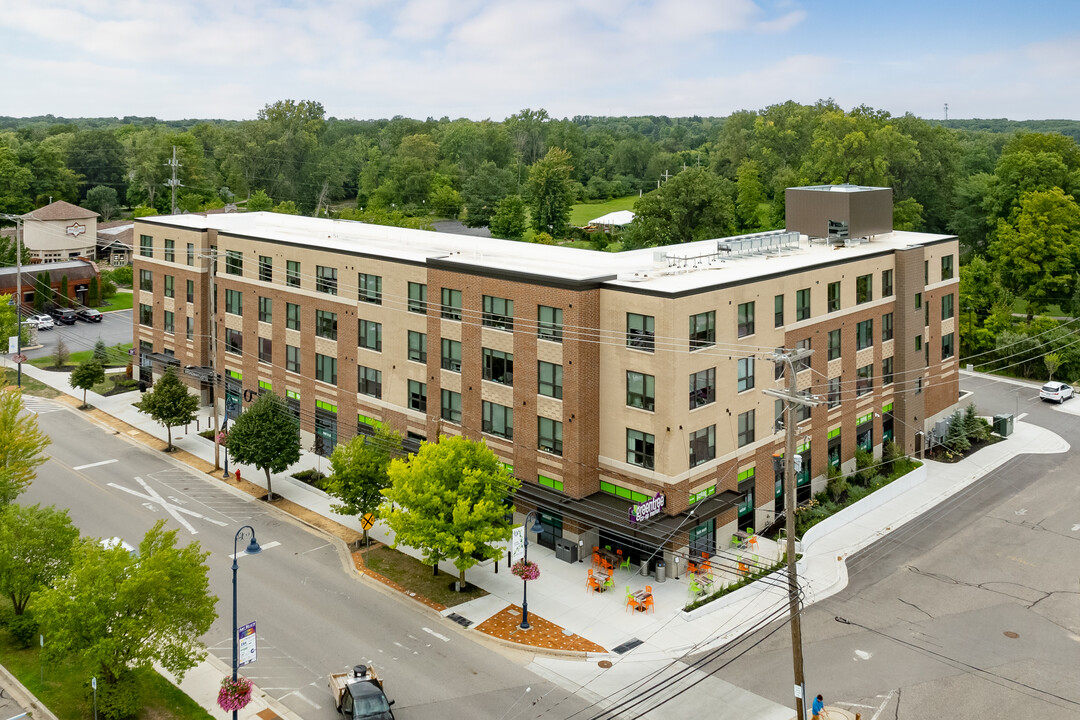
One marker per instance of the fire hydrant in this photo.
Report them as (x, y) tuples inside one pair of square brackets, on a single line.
[(237, 474)]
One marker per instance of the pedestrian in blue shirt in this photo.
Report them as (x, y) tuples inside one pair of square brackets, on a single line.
[(818, 708)]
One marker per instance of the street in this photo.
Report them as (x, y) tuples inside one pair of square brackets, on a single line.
[(314, 617), (967, 612)]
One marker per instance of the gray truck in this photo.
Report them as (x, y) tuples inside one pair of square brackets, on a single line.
[(359, 694)]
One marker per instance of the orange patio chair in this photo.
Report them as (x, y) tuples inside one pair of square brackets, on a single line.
[(649, 604), (592, 584)]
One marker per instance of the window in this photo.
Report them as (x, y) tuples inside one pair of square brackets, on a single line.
[(498, 313), (191, 291), (234, 341), (702, 330), (864, 289), (292, 358), (802, 413), (417, 396), (370, 288), (326, 280), (451, 304), (834, 344), (864, 334), (451, 406), (834, 392), (746, 319), (146, 246), (834, 297), (946, 267), (498, 366), (370, 335), (640, 448), (550, 379), (292, 273), (802, 304), (918, 300), (926, 313), (369, 381), (170, 322), (550, 323), (549, 435), (170, 290), (746, 374), (864, 380), (266, 350), (418, 298), (498, 420), (778, 416), (234, 302), (702, 388), (887, 371), (918, 343), (451, 355), (326, 369), (191, 254), (417, 346), (746, 428), (640, 331), (802, 363), (170, 251), (947, 347), (926, 272), (640, 390), (190, 328), (947, 302), (266, 268), (886, 283), (146, 280), (778, 310), (702, 445), (266, 310), (326, 324), (886, 327), (292, 316), (234, 262)]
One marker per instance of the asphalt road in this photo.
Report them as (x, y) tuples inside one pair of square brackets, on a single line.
[(968, 612), (114, 328), (313, 617)]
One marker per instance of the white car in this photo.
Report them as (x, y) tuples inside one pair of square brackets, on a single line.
[(1056, 391), (41, 322)]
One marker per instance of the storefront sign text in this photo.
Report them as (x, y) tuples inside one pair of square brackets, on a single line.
[(647, 509)]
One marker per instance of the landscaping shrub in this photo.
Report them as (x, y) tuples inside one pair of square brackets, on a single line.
[(864, 466), (23, 628)]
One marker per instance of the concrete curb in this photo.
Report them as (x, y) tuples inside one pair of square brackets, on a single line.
[(23, 696)]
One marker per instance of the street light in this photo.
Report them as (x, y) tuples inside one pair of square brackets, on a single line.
[(225, 431), (537, 528), (252, 549)]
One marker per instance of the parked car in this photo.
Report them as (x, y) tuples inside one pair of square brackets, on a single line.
[(89, 315), (41, 322), (63, 315), (1056, 391)]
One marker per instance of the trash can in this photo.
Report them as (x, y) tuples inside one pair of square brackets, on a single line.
[(1003, 425), (566, 550), (661, 571)]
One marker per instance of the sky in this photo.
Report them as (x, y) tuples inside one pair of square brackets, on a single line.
[(491, 58)]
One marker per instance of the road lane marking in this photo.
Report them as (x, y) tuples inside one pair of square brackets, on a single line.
[(882, 708), (432, 632), (265, 546), (153, 496), (315, 548), (1021, 416), (300, 695), (97, 464)]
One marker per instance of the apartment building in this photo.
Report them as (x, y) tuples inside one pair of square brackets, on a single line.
[(624, 389)]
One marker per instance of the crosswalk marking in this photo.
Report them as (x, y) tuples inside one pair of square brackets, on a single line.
[(154, 497), (40, 406)]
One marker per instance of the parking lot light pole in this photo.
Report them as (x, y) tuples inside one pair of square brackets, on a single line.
[(537, 528), (252, 549)]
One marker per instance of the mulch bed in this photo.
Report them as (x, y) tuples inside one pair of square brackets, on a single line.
[(542, 633)]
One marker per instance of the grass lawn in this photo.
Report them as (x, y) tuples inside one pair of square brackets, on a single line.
[(117, 357), (30, 386), (1020, 306), (119, 301), (582, 213), (413, 575)]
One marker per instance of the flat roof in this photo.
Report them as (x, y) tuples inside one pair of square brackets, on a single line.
[(687, 267)]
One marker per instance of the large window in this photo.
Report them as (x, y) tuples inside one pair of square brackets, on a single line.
[(417, 396), (292, 358), (170, 251), (170, 286), (549, 379), (550, 323), (886, 327), (833, 303), (234, 262), (640, 390), (370, 335), (146, 246), (190, 253), (864, 334), (170, 322), (746, 428), (947, 303), (417, 298), (778, 310), (326, 324), (702, 388), (802, 304), (369, 381), (948, 348), (369, 288), (451, 355), (292, 273), (640, 448), (234, 302), (834, 344), (746, 319), (640, 331), (190, 328), (886, 283), (702, 445), (191, 291), (451, 304), (864, 380), (451, 406), (887, 371), (549, 434), (802, 363), (946, 267), (266, 310), (864, 289), (499, 366), (702, 330), (326, 279), (146, 280), (266, 350), (326, 369), (498, 420), (234, 341), (746, 374), (834, 392), (417, 346), (292, 316), (266, 268), (498, 313)]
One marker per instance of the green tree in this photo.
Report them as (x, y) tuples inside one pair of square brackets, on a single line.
[(908, 215), (266, 436), (752, 208), (956, 438), (36, 547), (102, 200), (60, 354), (62, 298), (551, 193), (1052, 362), (93, 295), (21, 446), (448, 501), (286, 207), (9, 321), (693, 205), (260, 202), (101, 352), (15, 179), (8, 247), (482, 192), (508, 222), (98, 156), (358, 473), (87, 375), (445, 202), (119, 613), (170, 404)]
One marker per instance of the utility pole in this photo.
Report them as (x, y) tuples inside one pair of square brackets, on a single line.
[(173, 182), (792, 464), (946, 112), (17, 219)]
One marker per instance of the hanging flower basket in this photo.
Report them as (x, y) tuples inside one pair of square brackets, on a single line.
[(526, 570), (234, 694), (222, 437)]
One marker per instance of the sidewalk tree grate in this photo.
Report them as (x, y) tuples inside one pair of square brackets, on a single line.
[(462, 621), (627, 646)]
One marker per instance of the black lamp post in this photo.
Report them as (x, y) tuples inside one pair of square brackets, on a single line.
[(537, 528), (225, 432), (252, 549)]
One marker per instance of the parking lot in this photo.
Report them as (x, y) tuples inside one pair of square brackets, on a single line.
[(114, 328)]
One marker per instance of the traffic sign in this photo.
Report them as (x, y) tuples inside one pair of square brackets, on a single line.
[(367, 521)]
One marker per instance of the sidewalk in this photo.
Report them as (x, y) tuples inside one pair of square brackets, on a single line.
[(559, 595)]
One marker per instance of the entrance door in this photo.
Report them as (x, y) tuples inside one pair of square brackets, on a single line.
[(552, 524), (703, 539), (325, 432)]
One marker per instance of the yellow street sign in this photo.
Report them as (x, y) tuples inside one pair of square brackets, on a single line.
[(367, 521)]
